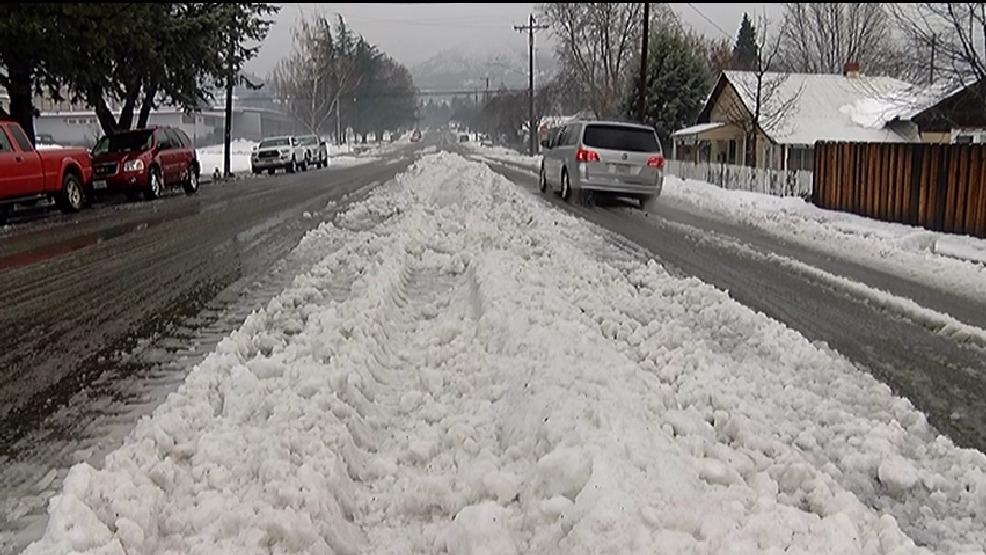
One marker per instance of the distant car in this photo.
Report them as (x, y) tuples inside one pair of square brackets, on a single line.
[(145, 162), (316, 151), (416, 136), (604, 157), (278, 153), (28, 175)]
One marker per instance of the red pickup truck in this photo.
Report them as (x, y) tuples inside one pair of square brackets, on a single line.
[(27, 175)]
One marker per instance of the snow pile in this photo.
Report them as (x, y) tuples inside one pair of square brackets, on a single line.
[(211, 157), (503, 155), (909, 251), (876, 113), (470, 372)]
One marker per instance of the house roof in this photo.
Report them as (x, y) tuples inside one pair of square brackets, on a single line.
[(805, 108), (698, 128)]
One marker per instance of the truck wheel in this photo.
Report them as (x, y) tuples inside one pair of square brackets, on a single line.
[(192, 183), (71, 197), (153, 189)]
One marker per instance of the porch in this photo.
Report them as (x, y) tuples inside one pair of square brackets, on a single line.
[(724, 143)]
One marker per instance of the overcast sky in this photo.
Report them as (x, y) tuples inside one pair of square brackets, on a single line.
[(414, 33)]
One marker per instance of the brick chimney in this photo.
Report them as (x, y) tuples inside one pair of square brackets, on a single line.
[(851, 69)]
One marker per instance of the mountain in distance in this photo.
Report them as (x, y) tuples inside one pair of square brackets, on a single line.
[(467, 67)]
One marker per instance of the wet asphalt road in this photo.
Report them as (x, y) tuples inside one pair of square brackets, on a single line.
[(943, 377), (75, 291)]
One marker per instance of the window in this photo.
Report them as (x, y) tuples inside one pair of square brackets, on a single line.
[(163, 140), (621, 137), (133, 141), (4, 142), (174, 139), (569, 135), (20, 138), (183, 138)]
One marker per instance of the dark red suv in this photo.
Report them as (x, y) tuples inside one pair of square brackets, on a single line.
[(145, 161)]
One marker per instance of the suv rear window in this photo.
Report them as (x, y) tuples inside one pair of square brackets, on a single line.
[(619, 137)]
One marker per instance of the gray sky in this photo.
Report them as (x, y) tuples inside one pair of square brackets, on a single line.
[(412, 33)]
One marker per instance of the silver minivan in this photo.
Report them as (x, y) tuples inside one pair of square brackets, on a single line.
[(604, 158)]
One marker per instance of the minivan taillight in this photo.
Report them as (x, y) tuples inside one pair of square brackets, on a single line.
[(583, 155), (656, 162)]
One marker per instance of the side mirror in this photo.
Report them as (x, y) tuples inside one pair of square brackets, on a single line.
[(321, 143)]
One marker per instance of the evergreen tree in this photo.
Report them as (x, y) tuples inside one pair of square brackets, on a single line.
[(678, 81), (745, 49)]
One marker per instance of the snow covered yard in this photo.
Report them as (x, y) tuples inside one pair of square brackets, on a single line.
[(470, 371), (953, 261)]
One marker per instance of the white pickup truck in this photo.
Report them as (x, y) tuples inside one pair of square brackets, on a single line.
[(316, 149), (278, 153)]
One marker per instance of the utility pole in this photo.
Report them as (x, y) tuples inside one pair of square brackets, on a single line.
[(228, 124), (531, 27), (642, 99), (931, 68)]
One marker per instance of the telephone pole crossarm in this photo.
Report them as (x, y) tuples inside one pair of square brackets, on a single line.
[(531, 28)]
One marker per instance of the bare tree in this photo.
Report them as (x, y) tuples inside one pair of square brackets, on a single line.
[(596, 42), (950, 36), (820, 37), (766, 98), (718, 54), (321, 68)]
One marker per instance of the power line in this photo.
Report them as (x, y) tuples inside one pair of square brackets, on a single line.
[(709, 21)]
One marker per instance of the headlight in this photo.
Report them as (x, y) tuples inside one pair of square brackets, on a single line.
[(133, 165)]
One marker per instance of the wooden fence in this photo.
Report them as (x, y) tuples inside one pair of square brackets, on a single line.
[(941, 187)]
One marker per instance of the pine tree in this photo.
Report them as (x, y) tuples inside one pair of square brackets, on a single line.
[(678, 81), (745, 49)]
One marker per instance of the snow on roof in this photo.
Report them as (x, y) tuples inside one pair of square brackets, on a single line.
[(826, 107), (696, 129)]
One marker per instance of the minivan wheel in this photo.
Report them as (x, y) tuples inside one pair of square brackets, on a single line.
[(566, 187)]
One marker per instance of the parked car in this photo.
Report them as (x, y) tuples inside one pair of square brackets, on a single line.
[(604, 157), (278, 153), (316, 151), (28, 175), (145, 162), (416, 135)]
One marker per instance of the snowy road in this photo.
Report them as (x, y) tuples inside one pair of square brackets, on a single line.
[(943, 375), (468, 371), (103, 314)]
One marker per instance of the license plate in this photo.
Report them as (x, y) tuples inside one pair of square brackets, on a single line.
[(619, 168), (99, 184)]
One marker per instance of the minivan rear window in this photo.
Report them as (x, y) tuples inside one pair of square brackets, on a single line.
[(619, 137)]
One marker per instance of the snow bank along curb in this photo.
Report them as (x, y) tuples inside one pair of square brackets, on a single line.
[(708, 197), (461, 373)]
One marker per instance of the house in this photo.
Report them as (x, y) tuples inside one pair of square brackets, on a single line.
[(958, 116), (795, 111)]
